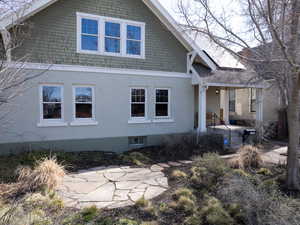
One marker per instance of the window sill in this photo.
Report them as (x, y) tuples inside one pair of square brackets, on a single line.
[(53, 124), (163, 121), (96, 52), (138, 121), (84, 123)]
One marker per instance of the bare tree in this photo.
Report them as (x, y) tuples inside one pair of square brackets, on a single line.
[(273, 27), (13, 73)]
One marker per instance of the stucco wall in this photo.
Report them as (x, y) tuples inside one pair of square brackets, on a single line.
[(112, 94), (53, 38)]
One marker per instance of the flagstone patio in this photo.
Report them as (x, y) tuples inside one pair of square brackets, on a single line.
[(114, 187)]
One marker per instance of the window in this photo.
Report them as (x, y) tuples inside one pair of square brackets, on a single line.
[(162, 106), (252, 99), (89, 34), (137, 141), (134, 40), (138, 103), (51, 103), (110, 36), (84, 108), (232, 100)]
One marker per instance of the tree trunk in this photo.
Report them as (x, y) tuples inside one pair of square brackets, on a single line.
[(293, 175)]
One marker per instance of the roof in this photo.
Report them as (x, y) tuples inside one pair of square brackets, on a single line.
[(9, 19), (222, 58)]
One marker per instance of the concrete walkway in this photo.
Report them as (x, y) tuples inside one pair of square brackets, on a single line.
[(114, 187)]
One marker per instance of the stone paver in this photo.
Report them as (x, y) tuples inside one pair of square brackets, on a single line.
[(174, 163), (113, 187)]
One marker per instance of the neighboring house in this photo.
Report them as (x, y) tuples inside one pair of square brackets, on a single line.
[(117, 74)]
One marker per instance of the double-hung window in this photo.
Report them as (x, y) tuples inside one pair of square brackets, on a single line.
[(252, 99), (51, 104), (84, 104), (138, 103), (162, 103), (110, 36), (134, 40), (89, 34)]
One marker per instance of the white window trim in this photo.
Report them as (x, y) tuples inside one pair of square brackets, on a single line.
[(84, 121), (101, 35), (51, 122), (167, 118), (144, 138), (138, 120)]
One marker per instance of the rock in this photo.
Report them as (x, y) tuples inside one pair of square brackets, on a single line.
[(127, 185), (103, 194), (153, 191), (156, 168), (174, 163), (121, 195)]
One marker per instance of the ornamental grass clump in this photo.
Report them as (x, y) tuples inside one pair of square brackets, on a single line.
[(249, 157)]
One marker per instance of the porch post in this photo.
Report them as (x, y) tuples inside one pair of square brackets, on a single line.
[(225, 105), (202, 109), (259, 105)]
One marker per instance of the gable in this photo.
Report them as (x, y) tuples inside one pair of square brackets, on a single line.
[(7, 20)]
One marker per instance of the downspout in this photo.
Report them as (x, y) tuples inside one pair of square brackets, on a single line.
[(6, 37)]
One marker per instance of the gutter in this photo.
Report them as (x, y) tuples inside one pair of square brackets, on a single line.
[(6, 41)]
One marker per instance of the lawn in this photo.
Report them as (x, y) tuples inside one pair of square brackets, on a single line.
[(211, 191)]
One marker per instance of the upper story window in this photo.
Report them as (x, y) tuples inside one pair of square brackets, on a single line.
[(110, 36), (162, 102), (89, 35)]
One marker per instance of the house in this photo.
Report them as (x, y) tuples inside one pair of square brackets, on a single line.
[(115, 75)]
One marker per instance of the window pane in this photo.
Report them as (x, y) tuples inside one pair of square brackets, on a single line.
[(161, 110), (112, 29), (162, 96), (52, 111), (137, 110), (51, 94), (89, 42), (89, 26), (134, 47), (133, 32), (138, 95), (83, 94), (112, 45), (84, 111)]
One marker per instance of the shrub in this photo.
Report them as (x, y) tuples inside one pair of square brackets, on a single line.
[(183, 192), (142, 203), (164, 208), (207, 171), (126, 222), (178, 174), (264, 171), (105, 221), (259, 204), (248, 157), (47, 174), (184, 204), (150, 223), (136, 158), (213, 213), (88, 214)]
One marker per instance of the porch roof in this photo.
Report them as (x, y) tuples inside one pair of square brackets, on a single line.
[(227, 77)]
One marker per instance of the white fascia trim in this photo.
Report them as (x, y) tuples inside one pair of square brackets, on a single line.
[(234, 85), (92, 69), (179, 33)]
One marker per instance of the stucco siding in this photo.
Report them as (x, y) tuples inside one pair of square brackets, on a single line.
[(112, 108), (53, 37)]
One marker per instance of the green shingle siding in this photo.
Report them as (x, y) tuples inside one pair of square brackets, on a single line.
[(53, 38)]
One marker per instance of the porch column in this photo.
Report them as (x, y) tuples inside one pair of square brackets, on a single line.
[(259, 105), (225, 105), (202, 109)]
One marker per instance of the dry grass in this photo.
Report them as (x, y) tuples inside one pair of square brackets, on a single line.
[(47, 174), (248, 157), (178, 174)]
